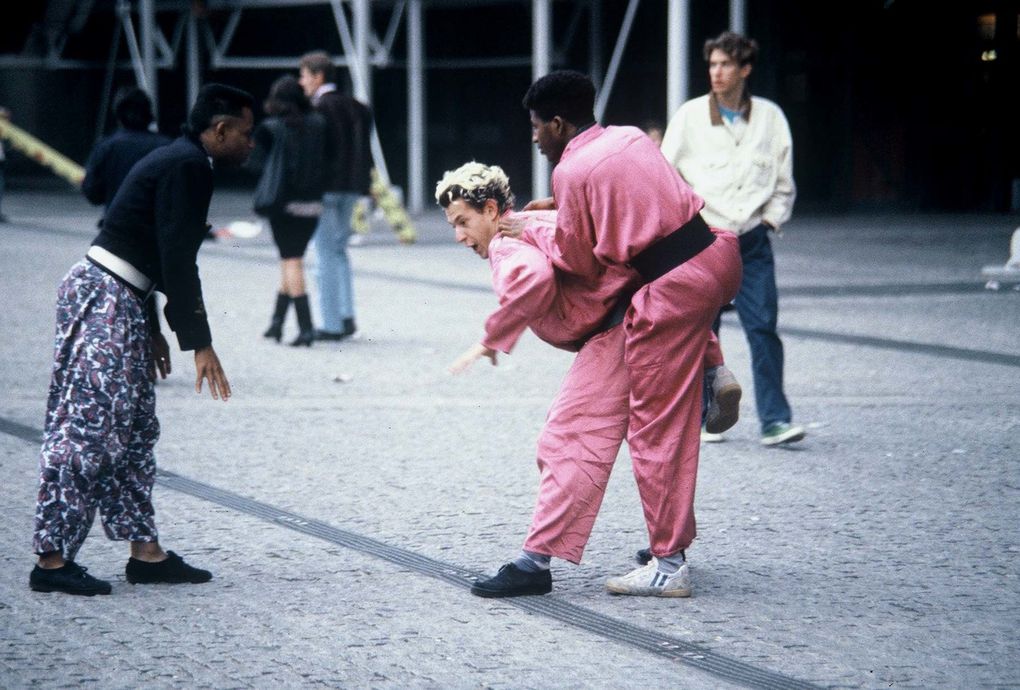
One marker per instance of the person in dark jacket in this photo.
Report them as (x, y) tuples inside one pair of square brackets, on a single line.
[(101, 424), (349, 179), (113, 157), (300, 134)]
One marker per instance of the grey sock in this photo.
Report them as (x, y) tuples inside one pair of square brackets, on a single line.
[(671, 564), (531, 562)]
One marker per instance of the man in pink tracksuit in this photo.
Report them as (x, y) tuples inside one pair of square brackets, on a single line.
[(588, 420), (620, 203)]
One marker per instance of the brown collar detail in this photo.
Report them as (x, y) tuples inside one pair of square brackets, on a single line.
[(716, 116)]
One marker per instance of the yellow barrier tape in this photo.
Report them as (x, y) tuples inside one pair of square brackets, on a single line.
[(393, 212), (22, 141)]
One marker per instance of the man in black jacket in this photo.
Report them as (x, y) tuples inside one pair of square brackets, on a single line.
[(349, 178), (101, 423)]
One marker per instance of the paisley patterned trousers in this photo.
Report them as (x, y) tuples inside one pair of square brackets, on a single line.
[(101, 422)]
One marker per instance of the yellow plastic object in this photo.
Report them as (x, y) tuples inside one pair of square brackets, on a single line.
[(22, 141), (359, 219), (393, 210)]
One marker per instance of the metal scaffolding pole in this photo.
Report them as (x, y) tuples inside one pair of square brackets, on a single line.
[(124, 14), (416, 138), (614, 62), (595, 43), (362, 29), (738, 16), (678, 48), (147, 22), (194, 74), (541, 52), (358, 69)]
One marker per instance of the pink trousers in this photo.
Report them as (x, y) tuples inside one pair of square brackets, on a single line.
[(641, 380)]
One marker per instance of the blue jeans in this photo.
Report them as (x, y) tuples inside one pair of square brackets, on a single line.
[(757, 305), (333, 266)]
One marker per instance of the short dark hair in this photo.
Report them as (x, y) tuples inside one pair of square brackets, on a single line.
[(566, 93), (132, 108), (286, 98), (319, 62), (216, 100), (740, 48)]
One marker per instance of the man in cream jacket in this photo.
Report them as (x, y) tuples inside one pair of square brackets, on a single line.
[(735, 150)]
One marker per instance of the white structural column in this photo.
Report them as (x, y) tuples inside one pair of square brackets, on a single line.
[(738, 16), (541, 51), (147, 21), (416, 141), (678, 44)]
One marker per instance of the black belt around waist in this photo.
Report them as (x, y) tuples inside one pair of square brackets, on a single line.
[(679, 246)]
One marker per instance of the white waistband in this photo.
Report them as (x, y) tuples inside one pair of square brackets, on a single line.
[(120, 268)]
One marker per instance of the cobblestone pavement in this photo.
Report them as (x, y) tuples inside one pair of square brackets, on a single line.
[(881, 552)]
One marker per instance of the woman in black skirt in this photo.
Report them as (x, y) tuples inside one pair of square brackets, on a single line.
[(290, 147)]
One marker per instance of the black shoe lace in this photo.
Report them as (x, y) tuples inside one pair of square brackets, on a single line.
[(77, 570)]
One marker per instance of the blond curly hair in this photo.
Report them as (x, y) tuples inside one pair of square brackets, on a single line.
[(475, 183)]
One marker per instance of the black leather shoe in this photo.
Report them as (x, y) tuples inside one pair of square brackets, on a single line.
[(511, 581), (275, 331), (304, 339), (70, 578), (173, 570), (643, 556), (329, 335)]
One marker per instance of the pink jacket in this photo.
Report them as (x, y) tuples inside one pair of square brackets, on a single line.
[(559, 308), (616, 195)]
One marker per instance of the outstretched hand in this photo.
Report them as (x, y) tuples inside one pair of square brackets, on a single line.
[(207, 367), (468, 358), (546, 204)]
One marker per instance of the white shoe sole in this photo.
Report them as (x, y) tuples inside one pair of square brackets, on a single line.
[(647, 591), (706, 437)]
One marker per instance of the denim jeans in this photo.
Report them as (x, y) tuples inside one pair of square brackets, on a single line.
[(757, 305), (333, 266)]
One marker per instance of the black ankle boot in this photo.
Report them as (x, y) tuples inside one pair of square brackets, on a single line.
[(349, 327), (275, 330), (304, 317)]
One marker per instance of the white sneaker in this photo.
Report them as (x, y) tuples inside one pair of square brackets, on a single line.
[(647, 581)]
